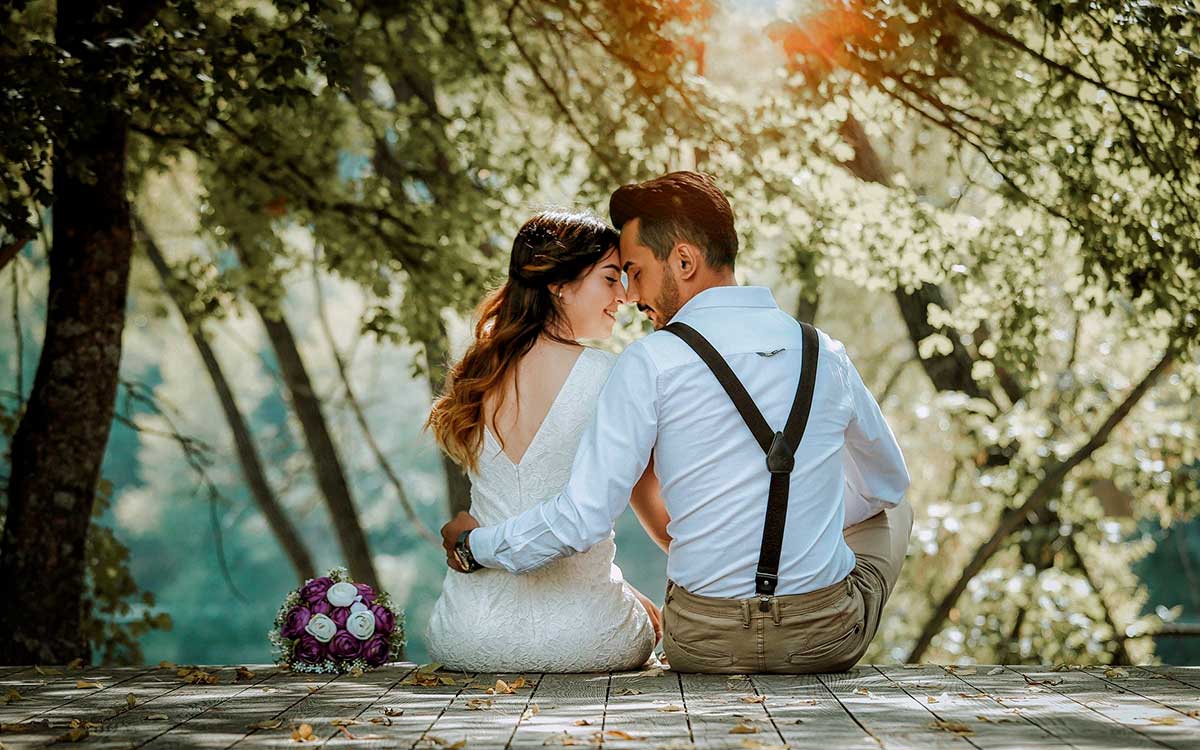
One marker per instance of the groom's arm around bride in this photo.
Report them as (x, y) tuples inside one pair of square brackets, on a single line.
[(756, 507)]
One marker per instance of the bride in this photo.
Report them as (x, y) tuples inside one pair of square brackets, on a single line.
[(512, 414)]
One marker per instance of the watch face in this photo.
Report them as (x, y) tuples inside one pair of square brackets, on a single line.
[(461, 556)]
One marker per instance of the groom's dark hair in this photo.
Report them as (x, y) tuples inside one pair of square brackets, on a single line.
[(679, 207)]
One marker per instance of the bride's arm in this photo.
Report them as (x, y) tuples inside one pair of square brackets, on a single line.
[(648, 504)]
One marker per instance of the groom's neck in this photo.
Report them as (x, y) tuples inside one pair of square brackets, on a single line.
[(709, 278)]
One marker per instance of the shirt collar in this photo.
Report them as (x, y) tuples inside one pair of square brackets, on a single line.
[(728, 296)]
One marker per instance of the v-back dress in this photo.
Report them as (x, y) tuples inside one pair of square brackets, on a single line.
[(575, 614)]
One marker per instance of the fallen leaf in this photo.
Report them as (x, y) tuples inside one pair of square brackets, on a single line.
[(48, 672), (754, 698), (267, 724), (74, 734), (343, 722), (131, 700), (930, 699), (157, 717), (1052, 681), (393, 712), (75, 664), (357, 672), (654, 672), (501, 688), (617, 734), (12, 696), (995, 671), (806, 702), (383, 720), (1194, 713), (744, 728), (862, 691), (243, 674), (750, 742), (581, 723), (86, 684), (533, 710), (444, 680), (1114, 673), (628, 691), (313, 688), (670, 708), (518, 683), (1169, 721), (479, 704), (429, 668), (346, 732), (954, 727), (953, 669), (166, 665), (302, 733), (560, 739)]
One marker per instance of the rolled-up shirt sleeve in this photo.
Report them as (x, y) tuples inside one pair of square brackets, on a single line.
[(876, 476), (613, 452)]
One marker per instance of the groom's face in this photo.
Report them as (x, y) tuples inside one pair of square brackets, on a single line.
[(651, 283)]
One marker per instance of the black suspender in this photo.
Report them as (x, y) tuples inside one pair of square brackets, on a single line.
[(780, 447)]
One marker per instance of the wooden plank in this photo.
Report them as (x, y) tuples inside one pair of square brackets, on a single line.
[(1156, 723), (715, 708), (42, 692), (807, 714), (62, 696), (991, 725), (888, 713), (480, 719), (228, 723), (648, 704), (1054, 713), (1160, 689), (564, 701), (1189, 676)]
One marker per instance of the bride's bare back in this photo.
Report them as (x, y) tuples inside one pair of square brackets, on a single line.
[(528, 393)]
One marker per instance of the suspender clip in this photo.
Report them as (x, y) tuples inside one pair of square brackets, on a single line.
[(781, 458), (764, 604)]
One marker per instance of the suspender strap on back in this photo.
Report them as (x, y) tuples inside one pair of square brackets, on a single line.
[(779, 446)]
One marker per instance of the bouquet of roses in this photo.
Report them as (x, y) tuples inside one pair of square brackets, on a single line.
[(331, 624)]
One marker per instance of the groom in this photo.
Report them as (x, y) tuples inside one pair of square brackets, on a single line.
[(786, 541)]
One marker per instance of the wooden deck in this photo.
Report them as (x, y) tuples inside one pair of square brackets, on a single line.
[(401, 706)]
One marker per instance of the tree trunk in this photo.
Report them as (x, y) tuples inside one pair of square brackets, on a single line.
[(248, 457), (58, 448), (437, 355), (328, 466)]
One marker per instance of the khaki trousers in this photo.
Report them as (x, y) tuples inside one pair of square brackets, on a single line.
[(827, 630)]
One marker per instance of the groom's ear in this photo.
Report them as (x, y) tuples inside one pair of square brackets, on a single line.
[(687, 257)]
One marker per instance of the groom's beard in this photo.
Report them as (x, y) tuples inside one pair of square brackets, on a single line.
[(667, 303)]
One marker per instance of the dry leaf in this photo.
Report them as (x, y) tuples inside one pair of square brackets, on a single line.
[(429, 668), (1114, 673), (628, 691), (1194, 713), (343, 722), (862, 691), (930, 699), (303, 733), (166, 665), (313, 688), (243, 674), (1052, 681), (479, 704), (393, 712), (75, 664), (653, 672), (382, 720), (74, 734), (518, 683), (85, 724), (995, 671), (86, 684), (357, 672), (961, 670), (1169, 721), (346, 732), (581, 723), (560, 739), (806, 702), (670, 708), (750, 742), (617, 734), (131, 700), (954, 727), (12, 696), (267, 724), (47, 672), (24, 726), (754, 698), (501, 688), (533, 710), (157, 717), (744, 728)]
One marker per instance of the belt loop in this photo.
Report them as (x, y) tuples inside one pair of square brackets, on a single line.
[(775, 609), (667, 596), (745, 613)]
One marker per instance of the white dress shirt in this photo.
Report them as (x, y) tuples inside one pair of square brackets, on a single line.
[(661, 397)]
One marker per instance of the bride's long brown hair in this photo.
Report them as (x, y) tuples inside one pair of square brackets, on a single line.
[(553, 247)]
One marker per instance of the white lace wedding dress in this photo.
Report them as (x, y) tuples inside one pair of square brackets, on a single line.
[(575, 614)]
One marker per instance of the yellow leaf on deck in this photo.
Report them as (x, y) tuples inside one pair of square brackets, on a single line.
[(954, 727), (266, 724), (166, 665), (302, 733), (86, 684), (628, 691), (501, 688), (12, 696), (754, 698), (393, 712), (74, 734), (582, 723), (862, 691), (343, 722), (1194, 713), (744, 728), (24, 726), (157, 717), (243, 674), (961, 670), (479, 704), (428, 668), (518, 683), (930, 699), (47, 672), (670, 708), (1114, 673), (617, 734), (131, 700), (1169, 721), (995, 671), (75, 664)]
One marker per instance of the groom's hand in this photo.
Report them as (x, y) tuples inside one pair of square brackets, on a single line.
[(464, 521)]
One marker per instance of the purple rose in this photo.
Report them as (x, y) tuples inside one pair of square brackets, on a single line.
[(339, 616), (314, 590), (344, 646), (385, 621), (309, 650), (323, 607), (366, 592), (375, 650), (293, 624)]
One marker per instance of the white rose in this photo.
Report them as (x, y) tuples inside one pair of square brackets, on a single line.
[(322, 628), (359, 607), (361, 625), (341, 594)]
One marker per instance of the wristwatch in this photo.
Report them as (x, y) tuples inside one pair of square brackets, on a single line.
[(462, 553)]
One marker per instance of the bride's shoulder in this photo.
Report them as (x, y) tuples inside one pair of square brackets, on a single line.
[(600, 361)]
